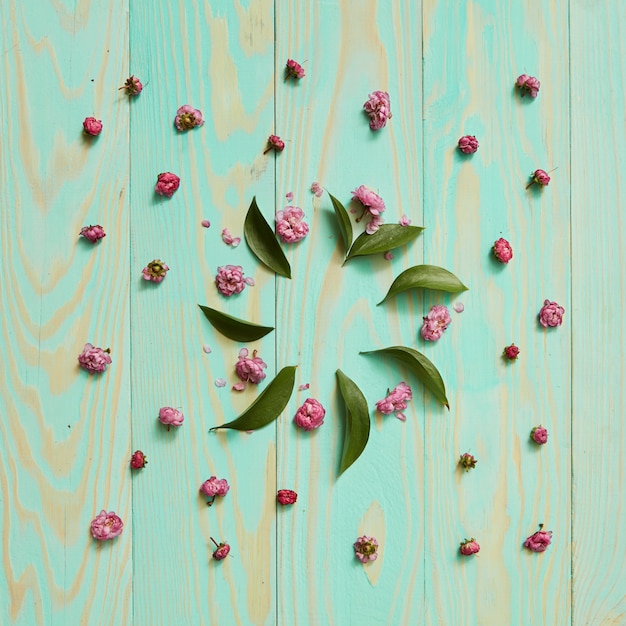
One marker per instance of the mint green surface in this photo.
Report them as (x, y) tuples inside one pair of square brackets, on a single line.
[(66, 437)]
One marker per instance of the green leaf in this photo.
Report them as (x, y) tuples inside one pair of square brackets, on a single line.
[(420, 366), (262, 241), (345, 225), (387, 237), (269, 405), (425, 277), (357, 421), (233, 327)]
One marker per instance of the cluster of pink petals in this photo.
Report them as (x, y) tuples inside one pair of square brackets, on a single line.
[(469, 547), (230, 280), (92, 126), (539, 435), (167, 183), (155, 271), (222, 550), (378, 108), (373, 204), (289, 224), (132, 86), (170, 416), (317, 190), (106, 526), (138, 460), (92, 233), (551, 314), (188, 118), (274, 142), (528, 84), (293, 69), (310, 415), (286, 496), (511, 352), (366, 549), (539, 541), (250, 369), (214, 487), (229, 240), (436, 322), (468, 144), (396, 401), (502, 250), (94, 360)]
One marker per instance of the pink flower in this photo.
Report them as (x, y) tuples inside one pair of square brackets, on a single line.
[(437, 320), (250, 370), (187, 118), (106, 526), (155, 271), (205, 224), (378, 108), (92, 126), (167, 184), (317, 190), (214, 487), (366, 549), (92, 233), (511, 352), (396, 401), (469, 547), (373, 204), (132, 86), (229, 280), (286, 496), (539, 435), (170, 416), (467, 461), (502, 250), (310, 415), (539, 177), (94, 360), (459, 307), (289, 224), (551, 314), (404, 221), (138, 460), (274, 142), (539, 541), (468, 144), (222, 550), (528, 84), (229, 240), (207, 349), (238, 386), (293, 69)]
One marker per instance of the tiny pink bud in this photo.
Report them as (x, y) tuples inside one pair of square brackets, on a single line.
[(138, 460), (540, 177), (539, 541), (222, 550), (511, 352), (205, 223), (469, 547), (286, 496), (293, 69), (132, 86), (92, 233), (539, 435), (274, 142), (467, 461), (468, 144), (502, 250), (92, 126)]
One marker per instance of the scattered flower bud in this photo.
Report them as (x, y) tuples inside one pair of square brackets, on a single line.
[(289, 196), (293, 69), (539, 541), (92, 233), (92, 126), (205, 224), (539, 435), (274, 142), (372, 204), (286, 496), (378, 108), (229, 280), (539, 177), (138, 460), (214, 487), (250, 369), (106, 526), (132, 86), (366, 549), (155, 271), (222, 550), (388, 256), (303, 387), (467, 461), (511, 352), (502, 250), (310, 415), (317, 190), (94, 360), (290, 226), (468, 144), (188, 118), (167, 184), (528, 85), (170, 416), (469, 547), (551, 314), (435, 323)]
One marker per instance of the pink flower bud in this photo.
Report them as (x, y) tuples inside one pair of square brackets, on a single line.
[(528, 85), (468, 144), (511, 352), (94, 360), (539, 435), (138, 460), (310, 415), (205, 224), (274, 142), (469, 547), (366, 549), (286, 496), (502, 250), (293, 69), (222, 550), (170, 416), (155, 271), (214, 487), (92, 126), (229, 240), (378, 108), (187, 118), (467, 461), (106, 526), (92, 233), (539, 541), (551, 314), (539, 177), (132, 86), (167, 184)]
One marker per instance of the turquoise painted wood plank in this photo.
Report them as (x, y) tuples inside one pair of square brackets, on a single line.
[(472, 55), (64, 436), (599, 432)]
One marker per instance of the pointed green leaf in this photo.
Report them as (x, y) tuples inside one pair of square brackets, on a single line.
[(387, 237), (345, 225), (269, 405), (233, 327), (262, 241), (420, 366), (357, 421), (425, 277)]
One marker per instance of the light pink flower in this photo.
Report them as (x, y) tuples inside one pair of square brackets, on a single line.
[(138, 460), (528, 85), (373, 204), (539, 541), (502, 250), (92, 126), (540, 177), (317, 190), (206, 223), (469, 547), (248, 369), (94, 360), (467, 461), (404, 220), (511, 352), (459, 307), (551, 314), (539, 435), (214, 487), (222, 550), (289, 224), (286, 496), (92, 233), (293, 69), (132, 86), (366, 549), (187, 118), (229, 280), (396, 401), (106, 526), (310, 415), (167, 183), (155, 271), (170, 416), (378, 107), (274, 142), (468, 144), (229, 240), (436, 322)]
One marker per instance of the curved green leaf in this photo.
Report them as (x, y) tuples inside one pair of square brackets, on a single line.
[(233, 327), (345, 225), (425, 277), (262, 241), (269, 405), (387, 237), (357, 421), (420, 366)]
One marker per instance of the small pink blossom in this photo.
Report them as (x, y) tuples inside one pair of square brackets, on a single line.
[(289, 196), (459, 307), (138, 460), (94, 360), (378, 108), (92, 126), (167, 183), (170, 416), (469, 547), (92, 233), (467, 461), (290, 225), (222, 550), (528, 85), (132, 86), (229, 280), (286, 496), (187, 118), (155, 271), (539, 177), (220, 382), (373, 204), (366, 549), (293, 69), (502, 250), (511, 352), (310, 415), (404, 220), (468, 144), (304, 387), (388, 256), (551, 314), (436, 322), (214, 487), (539, 541), (250, 369), (229, 240), (274, 142), (106, 526), (396, 401), (205, 224), (539, 435), (317, 190)]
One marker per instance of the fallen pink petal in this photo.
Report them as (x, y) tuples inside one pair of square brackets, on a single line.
[(206, 223), (289, 196), (207, 349), (459, 307), (404, 220), (239, 386), (220, 382)]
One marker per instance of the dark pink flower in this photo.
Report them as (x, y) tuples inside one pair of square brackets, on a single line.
[(511, 352), (293, 69), (92, 233), (396, 401), (366, 549), (222, 550), (229, 240), (468, 144), (229, 280), (310, 415), (167, 184), (436, 322), (286, 496), (539, 435), (274, 142), (92, 126), (170, 416), (539, 177), (214, 487), (467, 461), (187, 118), (539, 541), (528, 85), (378, 108), (250, 369), (551, 314), (94, 360), (502, 250), (155, 271), (106, 526), (290, 225), (469, 547), (138, 460), (132, 86), (317, 190)]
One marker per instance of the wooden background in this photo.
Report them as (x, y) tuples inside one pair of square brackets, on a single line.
[(66, 437)]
